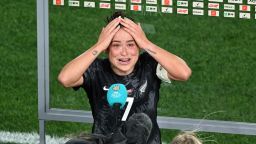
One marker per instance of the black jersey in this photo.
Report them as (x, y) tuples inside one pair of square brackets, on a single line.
[(142, 83)]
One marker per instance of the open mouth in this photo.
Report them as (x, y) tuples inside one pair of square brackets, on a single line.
[(124, 61)]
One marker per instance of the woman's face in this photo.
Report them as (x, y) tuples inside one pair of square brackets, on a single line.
[(123, 53)]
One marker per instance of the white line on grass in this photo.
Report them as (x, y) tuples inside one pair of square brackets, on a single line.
[(28, 138)]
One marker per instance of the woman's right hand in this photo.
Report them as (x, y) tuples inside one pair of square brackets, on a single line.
[(108, 33)]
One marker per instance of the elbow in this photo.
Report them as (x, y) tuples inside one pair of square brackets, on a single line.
[(63, 81)]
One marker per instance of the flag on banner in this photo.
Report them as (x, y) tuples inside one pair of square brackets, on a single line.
[(244, 8), (213, 13), (58, 2), (136, 7), (167, 2)]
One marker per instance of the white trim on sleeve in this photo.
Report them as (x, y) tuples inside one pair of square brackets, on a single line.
[(162, 74)]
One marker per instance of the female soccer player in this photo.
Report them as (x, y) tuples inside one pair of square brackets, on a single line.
[(141, 73)]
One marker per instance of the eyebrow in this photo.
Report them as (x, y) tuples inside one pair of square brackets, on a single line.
[(130, 41), (120, 41)]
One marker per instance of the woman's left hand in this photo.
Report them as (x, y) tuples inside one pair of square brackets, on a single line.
[(136, 31)]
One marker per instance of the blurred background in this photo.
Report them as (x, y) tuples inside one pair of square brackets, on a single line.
[(220, 51)]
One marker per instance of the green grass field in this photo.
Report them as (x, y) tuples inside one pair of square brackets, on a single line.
[(220, 51)]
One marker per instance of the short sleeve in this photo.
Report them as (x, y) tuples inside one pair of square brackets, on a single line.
[(146, 59)]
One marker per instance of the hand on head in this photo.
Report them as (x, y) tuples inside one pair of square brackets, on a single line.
[(135, 31), (108, 32), (129, 26)]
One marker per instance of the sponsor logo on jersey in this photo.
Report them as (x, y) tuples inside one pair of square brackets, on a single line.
[(143, 87)]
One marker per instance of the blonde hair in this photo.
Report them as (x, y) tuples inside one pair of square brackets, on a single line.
[(186, 137)]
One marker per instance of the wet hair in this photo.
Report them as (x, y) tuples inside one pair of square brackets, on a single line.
[(116, 14), (186, 137)]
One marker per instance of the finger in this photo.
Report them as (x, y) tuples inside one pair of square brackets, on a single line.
[(116, 29), (113, 25), (126, 25), (139, 26), (111, 35), (114, 22), (132, 33), (130, 22)]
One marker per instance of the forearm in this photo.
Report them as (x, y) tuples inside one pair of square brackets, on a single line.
[(73, 71), (175, 66)]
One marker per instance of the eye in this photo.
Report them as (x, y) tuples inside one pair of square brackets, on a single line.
[(115, 45), (131, 45)]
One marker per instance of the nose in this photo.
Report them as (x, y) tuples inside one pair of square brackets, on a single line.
[(124, 51)]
